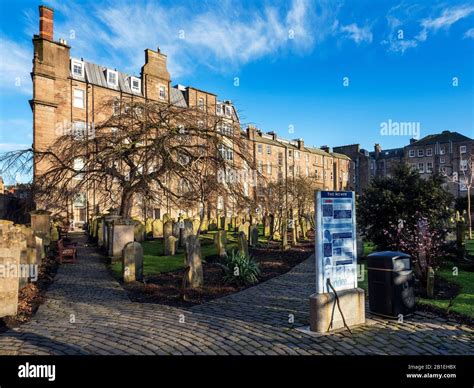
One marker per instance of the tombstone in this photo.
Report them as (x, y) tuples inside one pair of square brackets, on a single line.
[(242, 244), (176, 228), (253, 236), (122, 234), (12, 248), (196, 222), (167, 229), (170, 245), (245, 229), (132, 262), (149, 228), (212, 224), (266, 226), (195, 275), (40, 223), (109, 233), (157, 229), (139, 231), (100, 232), (186, 231), (220, 241)]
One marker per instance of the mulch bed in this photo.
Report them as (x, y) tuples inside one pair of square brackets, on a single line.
[(32, 295), (166, 288)]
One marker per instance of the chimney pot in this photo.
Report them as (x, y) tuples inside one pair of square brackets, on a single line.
[(46, 22)]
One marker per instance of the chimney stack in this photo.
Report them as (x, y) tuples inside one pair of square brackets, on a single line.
[(377, 150), (325, 148), (46, 22)]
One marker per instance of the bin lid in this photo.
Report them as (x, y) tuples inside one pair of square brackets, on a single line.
[(390, 260)]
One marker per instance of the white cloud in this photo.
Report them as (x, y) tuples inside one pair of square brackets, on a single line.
[(357, 34), (15, 67), (403, 18), (469, 33)]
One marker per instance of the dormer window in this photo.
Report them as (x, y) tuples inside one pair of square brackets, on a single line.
[(77, 68), (135, 84), (112, 77), (219, 109), (227, 110)]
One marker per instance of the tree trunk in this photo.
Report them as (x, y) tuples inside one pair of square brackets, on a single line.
[(126, 204)]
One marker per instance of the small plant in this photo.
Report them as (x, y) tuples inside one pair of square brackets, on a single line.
[(241, 269)]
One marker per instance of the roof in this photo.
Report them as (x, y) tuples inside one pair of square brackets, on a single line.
[(390, 153), (317, 151), (443, 137), (340, 156)]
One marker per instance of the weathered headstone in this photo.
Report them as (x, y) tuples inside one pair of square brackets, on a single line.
[(253, 237), (132, 262), (157, 228), (12, 247), (186, 231), (166, 218), (195, 276), (40, 223), (242, 244), (170, 245), (220, 240), (245, 228), (122, 234), (139, 231), (149, 228)]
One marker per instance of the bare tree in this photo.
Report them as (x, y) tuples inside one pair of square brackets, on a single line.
[(144, 149)]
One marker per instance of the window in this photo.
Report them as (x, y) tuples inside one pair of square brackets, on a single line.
[(269, 169), (77, 68), (429, 152), (225, 129), (227, 111), (78, 95), (463, 165), (135, 84), (79, 130), (112, 77), (297, 170), (226, 152), (201, 103), (420, 152), (306, 158), (78, 166), (219, 109), (260, 149), (297, 154), (411, 153), (162, 92), (269, 150), (290, 153), (421, 167), (429, 167), (462, 149), (442, 159), (280, 159), (441, 151), (316, 173), (260, 166)]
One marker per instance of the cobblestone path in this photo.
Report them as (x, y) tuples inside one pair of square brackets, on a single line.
[(88, 312)]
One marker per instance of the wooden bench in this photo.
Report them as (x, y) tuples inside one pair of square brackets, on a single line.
[(67, 253)]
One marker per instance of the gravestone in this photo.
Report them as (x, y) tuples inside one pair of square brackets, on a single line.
[(170, 245), (157, 228), (122, 234), (212, 224), (253, 237), (195, 275), (149, 228), (166, 218), (245, 228), (176, 228), (139, 231), (40, 223), (12, 248), (167, 229), (220, 241), (242, 244), (132, 262)]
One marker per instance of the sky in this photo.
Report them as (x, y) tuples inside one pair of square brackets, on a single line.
[(330, 72)]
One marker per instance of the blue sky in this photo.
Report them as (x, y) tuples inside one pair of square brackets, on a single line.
[(291, 59)]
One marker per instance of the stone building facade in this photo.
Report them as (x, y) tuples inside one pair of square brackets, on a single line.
[(68, 93)]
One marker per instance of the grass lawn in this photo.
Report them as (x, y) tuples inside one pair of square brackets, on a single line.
[(463, 303), (469, 244), (155, 262)]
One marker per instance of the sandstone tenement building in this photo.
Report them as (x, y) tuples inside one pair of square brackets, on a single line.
[(67, 91)]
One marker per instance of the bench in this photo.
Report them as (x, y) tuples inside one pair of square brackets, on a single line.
[(67, 253)]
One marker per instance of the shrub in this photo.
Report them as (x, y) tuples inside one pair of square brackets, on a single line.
[(241, 269)]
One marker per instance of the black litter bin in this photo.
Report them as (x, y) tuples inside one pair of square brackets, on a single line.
[(391, 284)]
